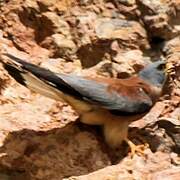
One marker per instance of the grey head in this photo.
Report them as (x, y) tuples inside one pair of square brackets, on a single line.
[(154, 73)]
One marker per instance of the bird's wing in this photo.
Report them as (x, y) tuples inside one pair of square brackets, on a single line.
[(90, 90), (113, 100)]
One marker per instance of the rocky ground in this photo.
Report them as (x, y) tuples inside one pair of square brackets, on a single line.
[(41, 139)]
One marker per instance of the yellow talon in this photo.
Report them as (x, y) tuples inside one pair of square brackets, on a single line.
[(136, 148)]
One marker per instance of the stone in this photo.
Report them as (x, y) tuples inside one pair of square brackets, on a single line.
[(123, 30), (57, 24)]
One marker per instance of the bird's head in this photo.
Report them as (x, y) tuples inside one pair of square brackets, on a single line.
[(154, 73)]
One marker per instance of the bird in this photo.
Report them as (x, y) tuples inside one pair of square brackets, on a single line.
[(111, 103)]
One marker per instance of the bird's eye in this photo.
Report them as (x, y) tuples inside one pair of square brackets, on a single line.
[(161, 67)]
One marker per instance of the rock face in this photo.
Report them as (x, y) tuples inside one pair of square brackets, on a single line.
[(53, 154), (41, 138)]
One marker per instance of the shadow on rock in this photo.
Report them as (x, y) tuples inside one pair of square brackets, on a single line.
[(92, 54), (53, 154)]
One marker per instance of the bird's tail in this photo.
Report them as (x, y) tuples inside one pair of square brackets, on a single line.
[(45, 82), (33, 77)]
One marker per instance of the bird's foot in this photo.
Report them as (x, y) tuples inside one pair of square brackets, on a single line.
[(136, 149)]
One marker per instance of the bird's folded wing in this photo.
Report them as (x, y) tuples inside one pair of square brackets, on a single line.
[(92, 91)]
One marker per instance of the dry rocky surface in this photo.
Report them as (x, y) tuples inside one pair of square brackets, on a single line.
[(41, 139)]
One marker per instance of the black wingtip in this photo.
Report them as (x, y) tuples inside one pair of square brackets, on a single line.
[(45, 75), (24, 64), (16, 59), (15, 73)]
